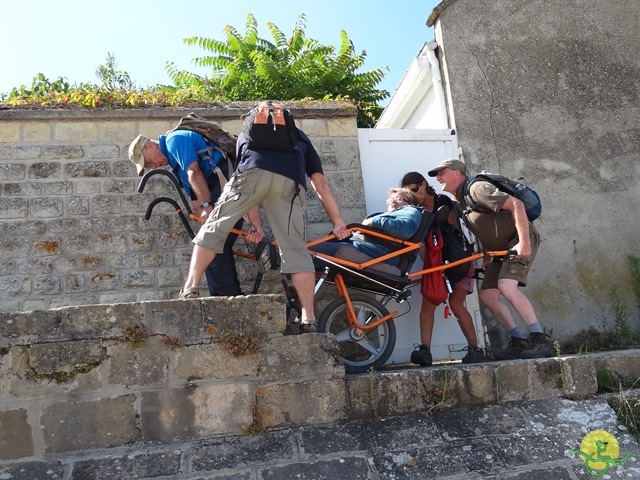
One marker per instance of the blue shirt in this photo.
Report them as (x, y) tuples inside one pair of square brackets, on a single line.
[(182, 148), (402, 223)]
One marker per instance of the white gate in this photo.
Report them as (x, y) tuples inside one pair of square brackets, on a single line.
[(386, 155)]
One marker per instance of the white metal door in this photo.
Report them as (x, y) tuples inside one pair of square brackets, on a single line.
[(386, 155)]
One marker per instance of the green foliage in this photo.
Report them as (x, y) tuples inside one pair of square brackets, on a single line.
[(620, 314), (116, 90), (634, 269), (247, 67)]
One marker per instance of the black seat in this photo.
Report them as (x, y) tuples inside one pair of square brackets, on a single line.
[(371, 278)]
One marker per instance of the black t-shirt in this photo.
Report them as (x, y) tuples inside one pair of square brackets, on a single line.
[(303, 160)]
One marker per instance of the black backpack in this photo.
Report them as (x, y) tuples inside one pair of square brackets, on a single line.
[(528, 196), (270, 126)]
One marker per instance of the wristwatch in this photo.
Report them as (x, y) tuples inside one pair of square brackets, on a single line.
[(206, 204)]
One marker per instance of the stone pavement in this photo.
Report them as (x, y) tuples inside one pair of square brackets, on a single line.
[(522, 440)]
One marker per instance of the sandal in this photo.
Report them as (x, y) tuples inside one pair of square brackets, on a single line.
[(189, 293)]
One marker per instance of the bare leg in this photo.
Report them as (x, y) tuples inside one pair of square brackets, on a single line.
[(491, 299), (456, 302), (305, 283), (200, 260), (521, 304), (427, 313)]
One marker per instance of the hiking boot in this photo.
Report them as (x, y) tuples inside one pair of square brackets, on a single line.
[(513, 349), (189, 293), (309, 327), (540, 346), (422, 356), (474, 355)]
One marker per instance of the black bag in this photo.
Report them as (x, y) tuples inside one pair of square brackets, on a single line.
[(455, 247), (527, 195), (270, 126)]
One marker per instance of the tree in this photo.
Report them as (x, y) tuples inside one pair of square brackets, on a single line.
[(297, 68)]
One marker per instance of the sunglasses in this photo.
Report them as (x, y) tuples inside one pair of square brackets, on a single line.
[(416, 188)]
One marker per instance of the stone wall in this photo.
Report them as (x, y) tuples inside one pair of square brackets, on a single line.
[(72, 228), (81, 379), (549, 90)]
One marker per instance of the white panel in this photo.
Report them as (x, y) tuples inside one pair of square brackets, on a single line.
[(386, 155)]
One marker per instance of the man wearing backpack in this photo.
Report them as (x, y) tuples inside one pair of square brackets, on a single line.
[(194, 163), (270, 178), (501, 225)]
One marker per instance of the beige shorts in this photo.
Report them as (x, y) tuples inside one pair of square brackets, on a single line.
[(275, 193), (515, 269)]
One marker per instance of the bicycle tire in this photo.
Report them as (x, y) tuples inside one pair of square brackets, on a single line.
[(369, 351)]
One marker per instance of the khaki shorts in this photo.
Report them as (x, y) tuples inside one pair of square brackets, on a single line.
[(514, 270), (286, 218)]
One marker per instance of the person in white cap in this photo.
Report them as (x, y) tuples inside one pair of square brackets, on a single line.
[(501, 225), (194, 163)]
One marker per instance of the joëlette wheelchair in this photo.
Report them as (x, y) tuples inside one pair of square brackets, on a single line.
[(363, 326)]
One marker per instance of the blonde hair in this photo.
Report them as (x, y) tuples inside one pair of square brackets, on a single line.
[(405, 193)]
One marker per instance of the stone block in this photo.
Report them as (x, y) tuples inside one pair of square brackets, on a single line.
[(301, 357), (24, 328), (75, 131), (10, 132), (14, 208), (100, 321), (381, 394), (623, 367), (12, 171), (146, 364), (512, 381), (48, 358), (212, 361), (116, 131), (313, 127), (265, 312), (580, 379), (71, 425), (27, 153), (178, 318), (342, 127), (46, 207), (547, 378), (16, 439), (196, 411), (301, 403), (477, 385), (37, 132), (144, 465), (53, 470)]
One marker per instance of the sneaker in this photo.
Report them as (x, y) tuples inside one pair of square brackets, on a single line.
[(474, 355), (309, 327), (540, 346), (513, 350), (422, 356), (189, 293)]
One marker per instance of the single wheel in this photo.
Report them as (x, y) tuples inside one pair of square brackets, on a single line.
[(359, 352)]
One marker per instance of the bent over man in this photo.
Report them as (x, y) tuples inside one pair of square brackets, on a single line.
[(503, 226), (194, 162)]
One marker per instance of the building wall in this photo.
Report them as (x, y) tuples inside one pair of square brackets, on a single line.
[(549, 90), (72, 225)]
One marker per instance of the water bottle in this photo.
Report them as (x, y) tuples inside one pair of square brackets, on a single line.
[(525, 195)]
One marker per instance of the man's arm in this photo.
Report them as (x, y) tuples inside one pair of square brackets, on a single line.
[(199, 186), (516, 207), (328, 201)]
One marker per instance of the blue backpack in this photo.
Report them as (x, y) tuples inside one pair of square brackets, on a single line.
[(528, 196)]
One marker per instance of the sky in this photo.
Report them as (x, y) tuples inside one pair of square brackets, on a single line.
[(71, 38)]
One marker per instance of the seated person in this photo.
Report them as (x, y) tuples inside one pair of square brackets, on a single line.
[(402, 219)]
